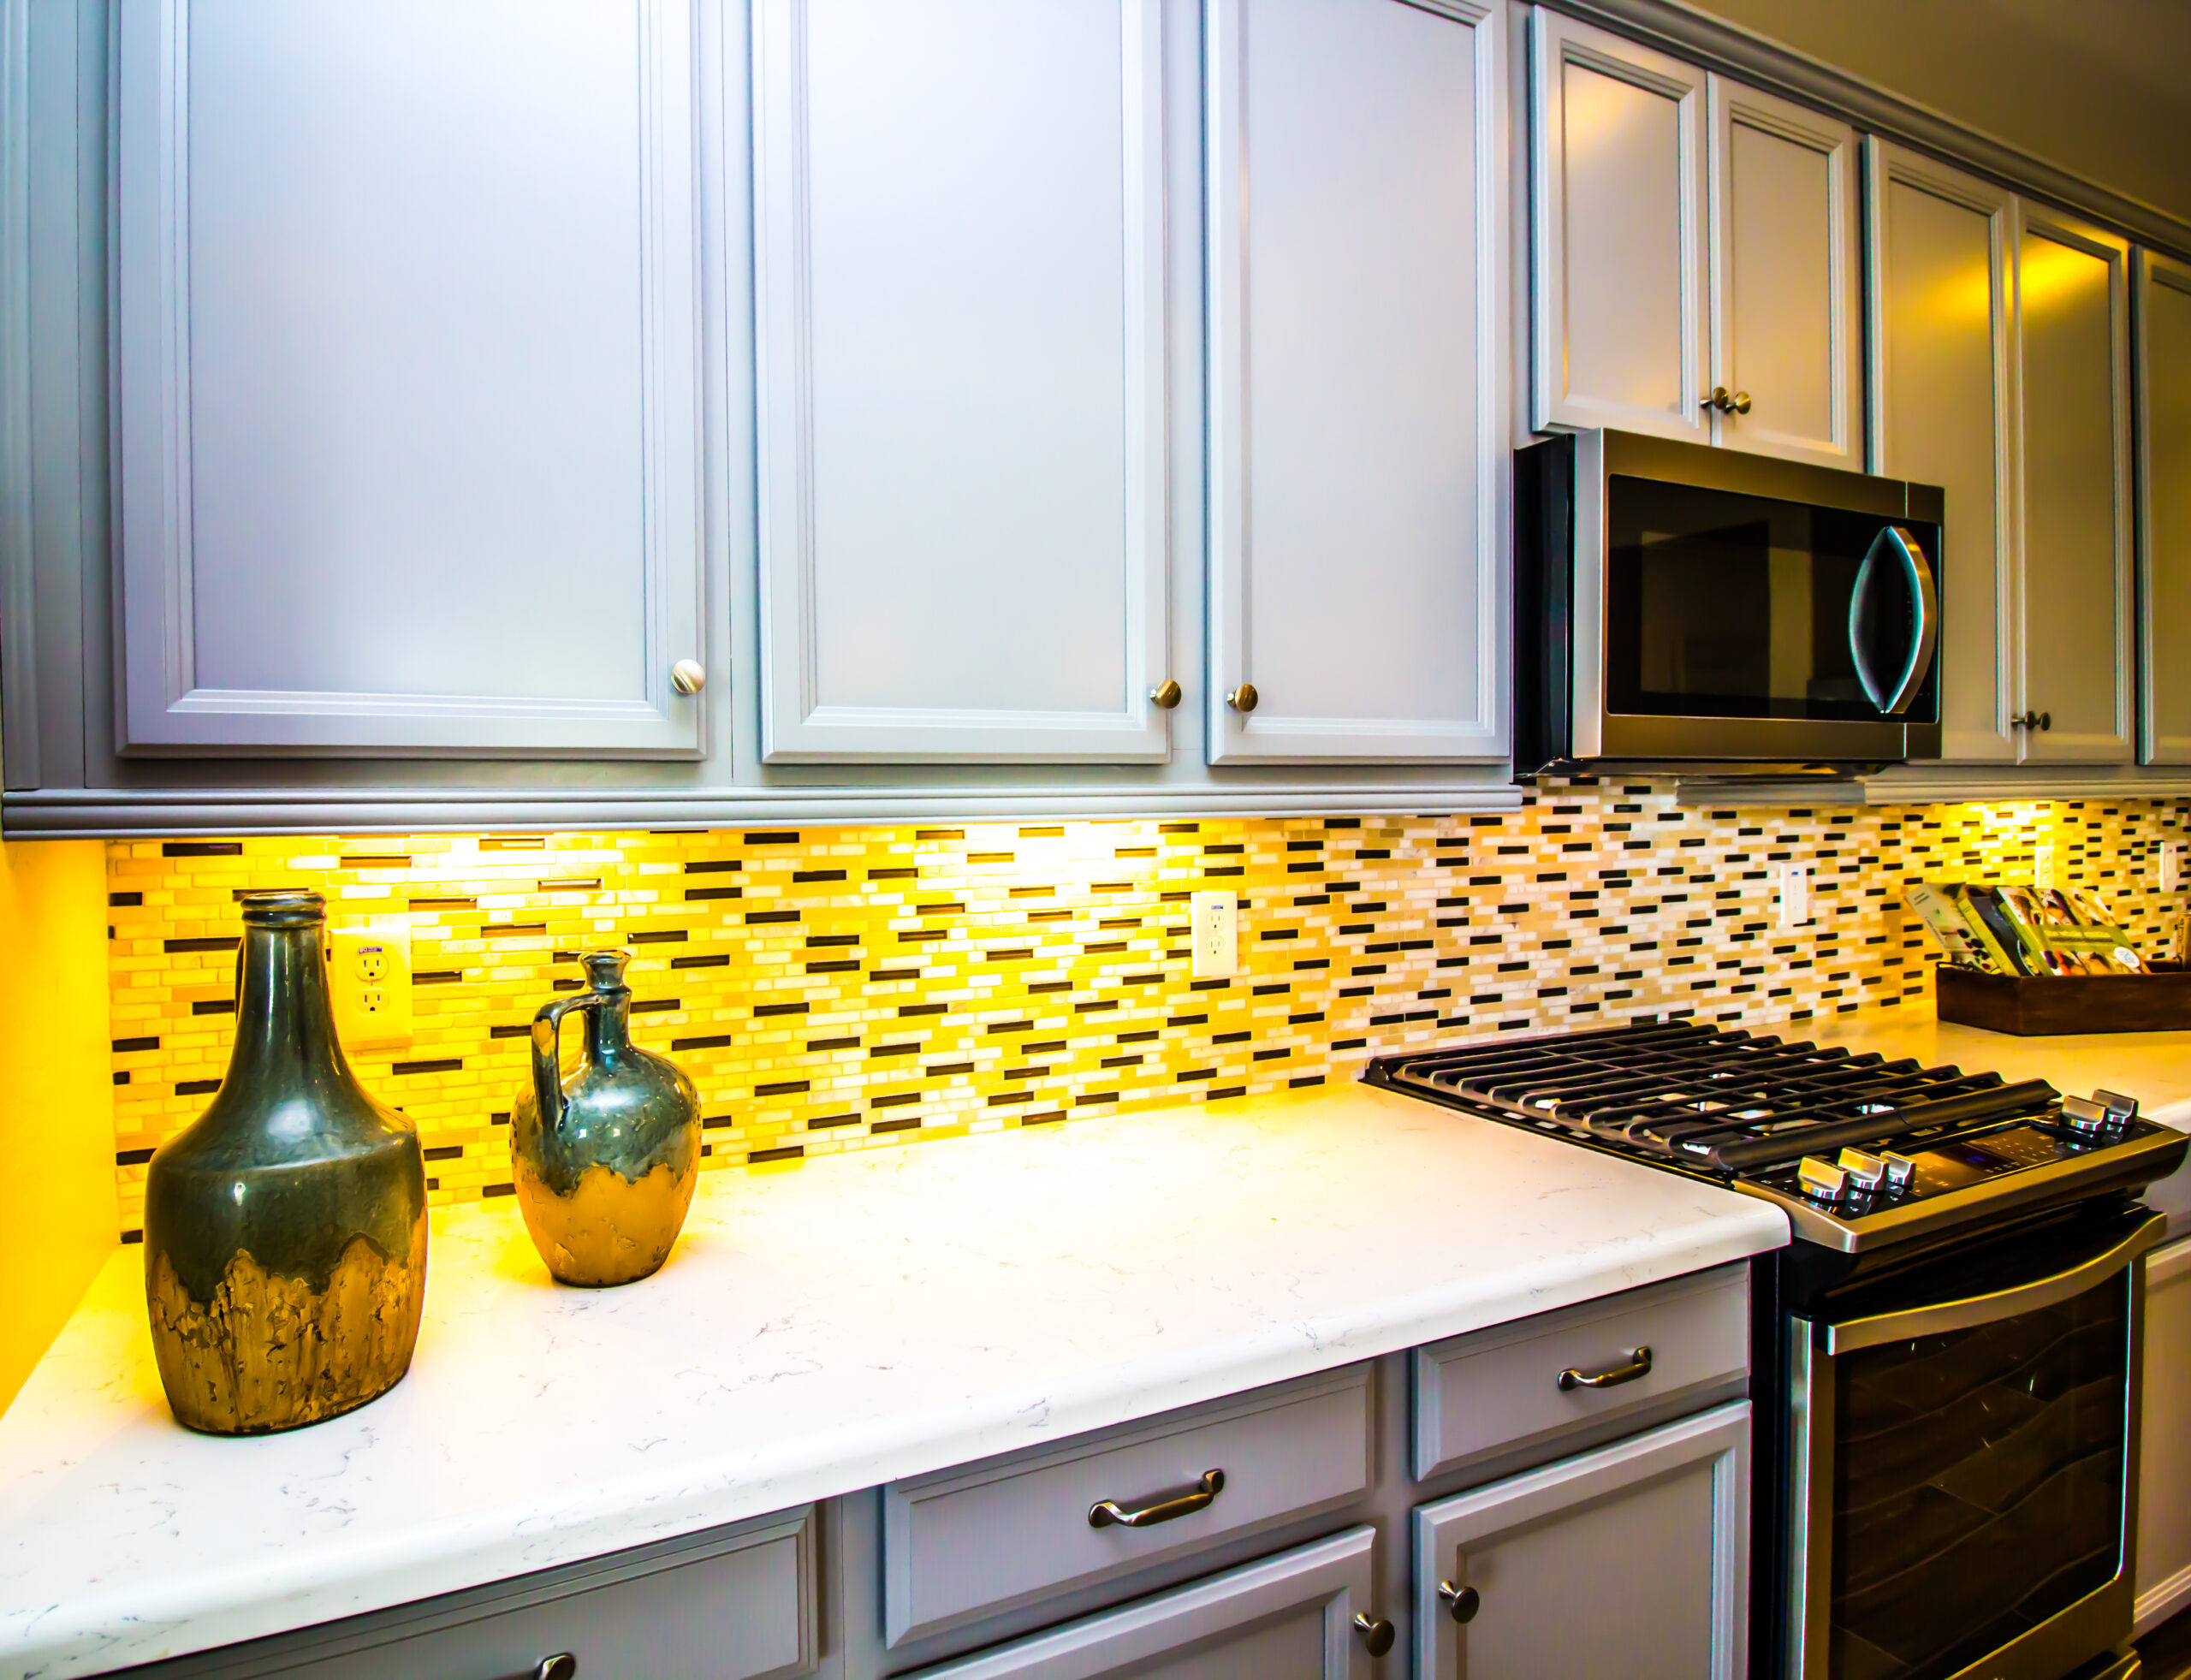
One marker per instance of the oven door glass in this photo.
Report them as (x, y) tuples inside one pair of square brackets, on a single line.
[(1978, 1490), (1724, 605)]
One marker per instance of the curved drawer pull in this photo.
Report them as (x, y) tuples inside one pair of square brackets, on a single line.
[(1639, 1365), (1105, 1513), (561, 1666)]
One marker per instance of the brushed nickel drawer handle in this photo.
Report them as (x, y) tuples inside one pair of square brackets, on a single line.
[(1105, 1513), (561, 1666), (1639, 1365)]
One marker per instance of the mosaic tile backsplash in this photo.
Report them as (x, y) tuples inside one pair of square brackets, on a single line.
[(845, 989)]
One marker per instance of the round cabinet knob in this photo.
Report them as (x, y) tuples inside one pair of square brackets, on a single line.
[(1727, 401), (2041, 721), (1243, 699), (1376, 1636), (1741, 404), (561, 1666), (1165, 694), (688, 676), (1461, 1603)]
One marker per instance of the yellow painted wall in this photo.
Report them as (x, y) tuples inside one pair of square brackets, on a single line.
[(57, 1213)]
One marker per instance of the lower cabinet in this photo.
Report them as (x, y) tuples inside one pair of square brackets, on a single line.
[(2164, 1571), (1293, 1617), (1630, 1560)]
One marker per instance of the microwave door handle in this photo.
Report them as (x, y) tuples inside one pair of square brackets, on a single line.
[(1942, 1316), (1924, 590)]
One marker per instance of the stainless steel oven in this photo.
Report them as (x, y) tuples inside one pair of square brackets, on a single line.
[(1963, 1447), (1679, 604)]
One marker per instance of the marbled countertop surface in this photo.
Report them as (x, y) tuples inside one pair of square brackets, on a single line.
[(820, 1328)]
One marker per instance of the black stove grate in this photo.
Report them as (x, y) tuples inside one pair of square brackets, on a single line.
[(1730, 1101)]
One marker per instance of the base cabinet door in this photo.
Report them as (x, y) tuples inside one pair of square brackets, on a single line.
[(1288, 1617), (1630, 1560), (2163, 1573)]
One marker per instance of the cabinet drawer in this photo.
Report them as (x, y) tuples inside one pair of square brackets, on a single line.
[(975, 1541), (736, 1604), (1287, 1618), (1495, 1391)]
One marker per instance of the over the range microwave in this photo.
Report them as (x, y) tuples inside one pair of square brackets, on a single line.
[(1678, 605)]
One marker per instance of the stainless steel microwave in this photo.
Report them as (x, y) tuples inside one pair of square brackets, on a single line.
[(1679, 605)]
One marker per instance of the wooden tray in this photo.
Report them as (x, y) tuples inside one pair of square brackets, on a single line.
[(2030, 1007)]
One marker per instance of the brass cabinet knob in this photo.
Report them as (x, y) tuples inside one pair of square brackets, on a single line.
[(1727, 401), (1376, 1636), (1243, 698), (2039, 720), (561, 1666), (688, 676), (1461, 1603), (1165, 694)]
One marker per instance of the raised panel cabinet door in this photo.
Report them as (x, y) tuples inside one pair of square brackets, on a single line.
[(1942, 411), (2073, 306), (1617, 226), (2164, 525), (1785, 326), (959, 225), (2164, 1441), (407, 346), (1356, 407), (1632, 1560), (1287, 1618)]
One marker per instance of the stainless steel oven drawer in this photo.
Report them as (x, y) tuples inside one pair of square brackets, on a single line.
[(1488, 1394), (969, 1542)]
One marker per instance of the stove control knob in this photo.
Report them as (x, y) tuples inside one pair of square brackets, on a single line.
[(1901, 1172), (1866, 1172), (2121, 1109), (2082, 1113), (1821, 1180)]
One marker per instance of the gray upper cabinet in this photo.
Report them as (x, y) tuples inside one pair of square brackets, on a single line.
[(1632, 1560), (959, 337), (1692, 236), (1356, 396), (2073, 318), (1786, 316), (406, 357), (1943, 412), (2164, 525), (1617, 224)]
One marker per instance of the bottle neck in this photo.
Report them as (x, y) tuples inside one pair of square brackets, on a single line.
[(285, 1020), (608, 1026)]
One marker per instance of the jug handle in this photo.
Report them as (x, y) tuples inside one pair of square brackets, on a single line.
[(546, 1054)]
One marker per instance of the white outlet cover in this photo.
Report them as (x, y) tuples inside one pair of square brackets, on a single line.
[(1794, 895), (2042, 865), (2171, 866), (1216, 935)]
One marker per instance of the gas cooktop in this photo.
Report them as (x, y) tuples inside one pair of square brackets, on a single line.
[(1859, 1151)]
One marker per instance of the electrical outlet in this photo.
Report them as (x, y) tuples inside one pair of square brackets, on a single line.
[(368, 968), (1216, 935), (2042, 866), (2171, 867), (1794, 895)]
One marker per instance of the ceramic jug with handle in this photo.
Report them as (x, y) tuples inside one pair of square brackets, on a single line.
[(604, 1161)]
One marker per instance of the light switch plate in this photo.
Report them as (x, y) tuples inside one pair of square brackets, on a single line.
[(369, 970), (1794, 895), (1216, 935)]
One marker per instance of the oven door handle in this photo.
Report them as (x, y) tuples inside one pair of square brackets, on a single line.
[(1945, 1316)]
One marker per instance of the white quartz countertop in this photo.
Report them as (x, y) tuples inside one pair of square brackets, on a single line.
[(2155, 1067), (821, 1329)]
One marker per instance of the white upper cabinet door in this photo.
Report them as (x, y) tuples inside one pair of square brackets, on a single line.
[(2073, 325), (2164, 486), (1617, 223), (959, 225), (1942, 412), (1357, 408), (407, 351), (1785, 324)]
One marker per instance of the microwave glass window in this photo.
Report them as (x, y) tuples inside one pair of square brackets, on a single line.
[(1722, 605)]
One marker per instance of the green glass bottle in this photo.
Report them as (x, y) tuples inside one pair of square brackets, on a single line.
[(285, 1230)]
